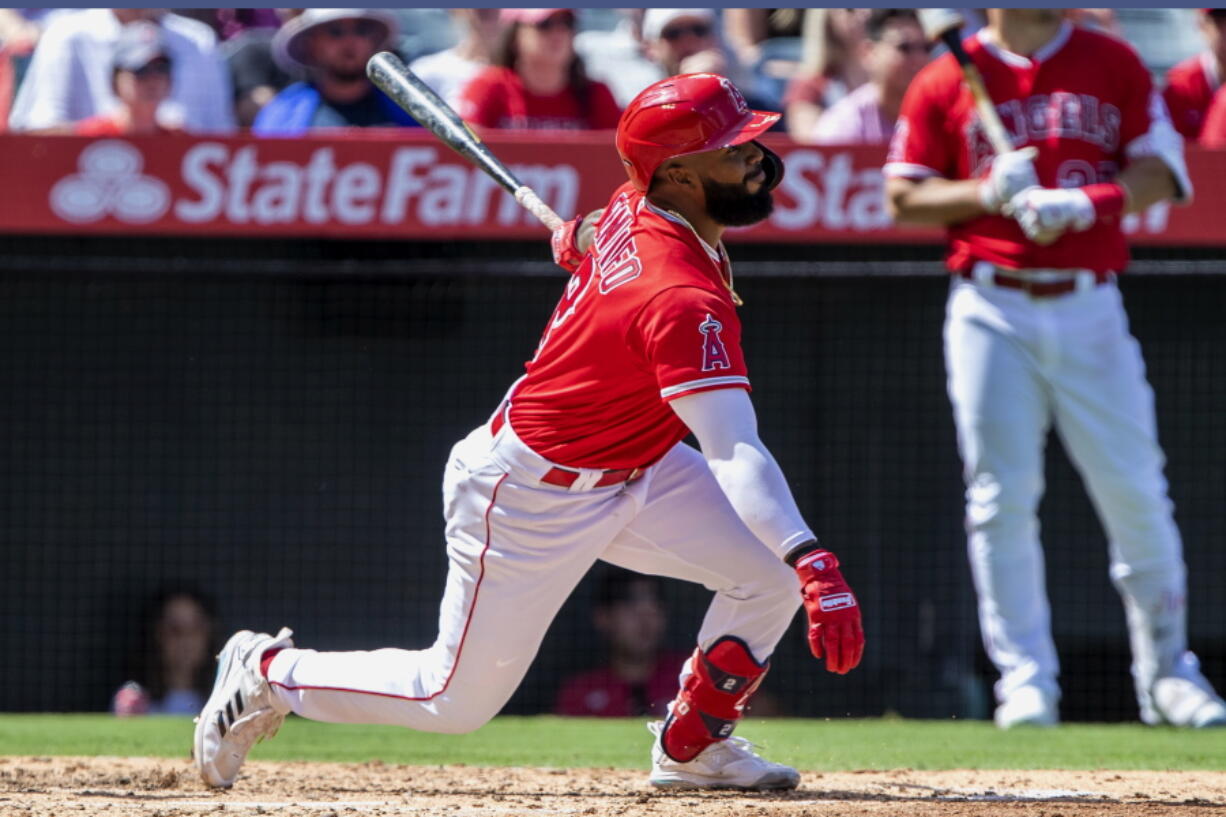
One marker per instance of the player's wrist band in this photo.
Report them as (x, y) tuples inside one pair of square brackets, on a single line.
[(800, 551), (1108, 198)]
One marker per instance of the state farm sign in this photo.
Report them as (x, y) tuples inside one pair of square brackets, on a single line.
[(240, 186), (404, 184)]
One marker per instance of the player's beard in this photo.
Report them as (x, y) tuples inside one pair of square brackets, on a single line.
[(732, 205)]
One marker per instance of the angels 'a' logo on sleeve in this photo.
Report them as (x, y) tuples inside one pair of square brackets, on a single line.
[(714, 355)]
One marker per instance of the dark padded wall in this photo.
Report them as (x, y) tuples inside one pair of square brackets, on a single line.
[(278, 438)]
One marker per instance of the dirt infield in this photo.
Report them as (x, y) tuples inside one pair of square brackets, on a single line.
[(57, 786)]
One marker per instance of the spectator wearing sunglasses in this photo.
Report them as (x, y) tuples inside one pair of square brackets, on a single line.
[(537, 80), (1192, 85), (333, 45), (684, 41), (893, 52), (140, 78)]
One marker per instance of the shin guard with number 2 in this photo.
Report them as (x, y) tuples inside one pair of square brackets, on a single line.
[(712, 699)]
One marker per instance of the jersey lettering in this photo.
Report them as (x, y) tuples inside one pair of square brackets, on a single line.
[(616, 256), (714, 355), (1042, 117)]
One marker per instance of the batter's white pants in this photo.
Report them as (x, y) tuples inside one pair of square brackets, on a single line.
[(1015, 365), (517, 548)]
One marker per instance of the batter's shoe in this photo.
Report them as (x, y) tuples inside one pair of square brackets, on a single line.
[(726, 764), (1028, 706), (1188, 702), (242, 709)]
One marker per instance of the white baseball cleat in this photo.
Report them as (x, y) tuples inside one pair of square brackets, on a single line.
[(726, 764), (1187, 702), (1028, 706), (241, 710)]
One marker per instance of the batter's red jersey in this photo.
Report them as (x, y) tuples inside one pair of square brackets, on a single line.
[(645, 319), (1085, 100), (1190, 87)]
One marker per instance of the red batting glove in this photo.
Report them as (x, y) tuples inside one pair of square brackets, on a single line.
[(566, 253), (834, 614)]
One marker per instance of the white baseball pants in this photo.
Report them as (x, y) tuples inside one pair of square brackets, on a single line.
[(517, 548), (1015, 365)]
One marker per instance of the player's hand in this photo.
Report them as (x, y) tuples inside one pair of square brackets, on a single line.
[(1045, 215), (835, 631), (570, 241), (566, 252), (1010, 174)]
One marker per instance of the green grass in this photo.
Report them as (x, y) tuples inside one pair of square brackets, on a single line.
[(812, 745)]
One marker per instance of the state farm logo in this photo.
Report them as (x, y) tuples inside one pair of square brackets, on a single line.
[(109, 182)]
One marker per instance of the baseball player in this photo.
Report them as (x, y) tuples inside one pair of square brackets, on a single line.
[(1036, 333), (584, 461)]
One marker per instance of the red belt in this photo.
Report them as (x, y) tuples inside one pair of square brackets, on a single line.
[(565, 477), (1033, 288)]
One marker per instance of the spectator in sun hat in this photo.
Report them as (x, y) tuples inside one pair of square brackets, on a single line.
[(333, 46), (140, 78), (537, 81)]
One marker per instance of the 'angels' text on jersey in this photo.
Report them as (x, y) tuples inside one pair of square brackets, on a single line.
[(1084, 99)]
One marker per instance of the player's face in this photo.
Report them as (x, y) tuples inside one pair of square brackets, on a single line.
[(634, 626), (550, 40), (682, 38), (898, 56), (182, 634), (341, 48), (145, 87), (734, 183)]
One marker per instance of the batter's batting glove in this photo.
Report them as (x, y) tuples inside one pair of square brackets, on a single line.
[(1011, 173), (834, 615), (570, 241), (1045, 215), (566, 253)]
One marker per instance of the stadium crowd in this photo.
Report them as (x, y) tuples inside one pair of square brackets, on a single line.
[(838, 74)]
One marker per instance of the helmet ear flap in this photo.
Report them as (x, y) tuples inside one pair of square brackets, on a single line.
[(772, 166)]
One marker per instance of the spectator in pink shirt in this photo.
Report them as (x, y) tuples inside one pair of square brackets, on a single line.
[(893, 54)]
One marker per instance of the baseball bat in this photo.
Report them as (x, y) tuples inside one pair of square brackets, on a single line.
[(944, 25), (408, 91)]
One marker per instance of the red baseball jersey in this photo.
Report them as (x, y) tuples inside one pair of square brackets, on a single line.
[(1085, 100), (647, 317), (497, 98), (1213, 132), (1190, 87)]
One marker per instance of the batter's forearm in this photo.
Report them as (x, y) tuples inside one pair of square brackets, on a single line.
[(727, 430), (759, 493), (933, 201)]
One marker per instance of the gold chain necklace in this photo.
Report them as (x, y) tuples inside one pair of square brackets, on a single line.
[(725, 266)]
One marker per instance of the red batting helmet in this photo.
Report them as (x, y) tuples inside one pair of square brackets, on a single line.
[(689, 113)]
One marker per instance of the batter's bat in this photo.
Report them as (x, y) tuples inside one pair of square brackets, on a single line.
[(944, 26), (408, 91)]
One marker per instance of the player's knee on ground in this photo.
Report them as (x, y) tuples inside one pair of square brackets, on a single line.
[(459, 718)]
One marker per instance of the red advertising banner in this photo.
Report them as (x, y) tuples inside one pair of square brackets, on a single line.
[(405, 185)]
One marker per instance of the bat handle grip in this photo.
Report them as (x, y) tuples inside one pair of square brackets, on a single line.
[(531, 202)]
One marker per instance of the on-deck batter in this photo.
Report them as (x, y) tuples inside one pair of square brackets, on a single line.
[(584, 461), (1036, 333)]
